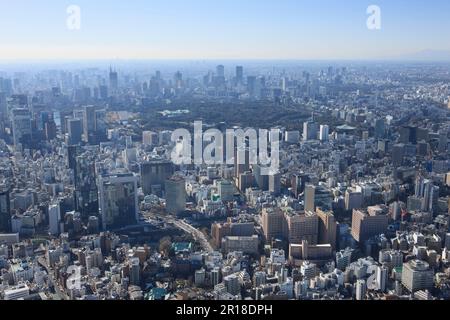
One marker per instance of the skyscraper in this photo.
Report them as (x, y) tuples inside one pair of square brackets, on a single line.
[(239, 74), (310, 193), (113, 81), (324, 133), (5, 210), (75, 131), (175, 195), (366, 225), (309, 131), (89, 123), (22, 130), (118, 200), (154, 175)]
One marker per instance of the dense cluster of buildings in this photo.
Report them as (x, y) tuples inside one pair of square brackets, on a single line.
[(93, 207)]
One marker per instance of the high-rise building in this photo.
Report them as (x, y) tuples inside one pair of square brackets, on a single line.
[(324, 135), (86, 191), (382, 278), (175, 195), (275, 184), (239, 74), (75, 131), (353, 200), (22, 129), (366, 225), (54, 217), (118, 200), (226, 190), (272, 223), (300, 226), (327, 228), (361, 289), (5, 210), (89, 123), (310, 201), (113, 81), (154, 174), (417, 275), (310, 131)]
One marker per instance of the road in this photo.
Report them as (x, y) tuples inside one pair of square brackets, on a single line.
[(194, 232), (51, 274)]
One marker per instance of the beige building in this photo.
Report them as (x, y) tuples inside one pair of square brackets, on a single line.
[(299, 226), (272, 223), (368, 224), (327, 227)]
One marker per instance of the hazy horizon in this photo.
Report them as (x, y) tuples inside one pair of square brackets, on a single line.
[(224, 30)]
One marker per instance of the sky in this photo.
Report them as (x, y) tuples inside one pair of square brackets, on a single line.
[(221, 29)]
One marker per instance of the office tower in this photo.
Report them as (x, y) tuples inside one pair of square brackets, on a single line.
[(408, 134), (226, 190), (149, 138), (154, 174), (301, 226), (275, 184), (118, 200), (75, 131), (50, 130), (86, 191), (239, 74), (324, 135), (252, 86), (428, 192), (327, 228), (215, 276), (103, 92), (101, 127), (272, 223), (54, 217), (175, 195), (178, 80), (93, 225), (361, 289), (89, 123), (417, 275), (219, 80), (5, 210), (241, 160), (443, 141), (22, 129), (398, 154), (262, 181), (382, 278), (366, 225), (380, 128), (113, 81), (353, 200), (292, 137), (232, 285), (220, 70), (3, 106), (135, 277), (310, 193), (309, 131)]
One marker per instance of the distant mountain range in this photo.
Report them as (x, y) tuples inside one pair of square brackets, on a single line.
[(425, 55)]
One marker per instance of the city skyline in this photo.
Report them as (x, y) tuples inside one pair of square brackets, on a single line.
[(290, 30)]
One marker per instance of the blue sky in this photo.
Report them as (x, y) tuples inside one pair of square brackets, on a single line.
[(221, 29)]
